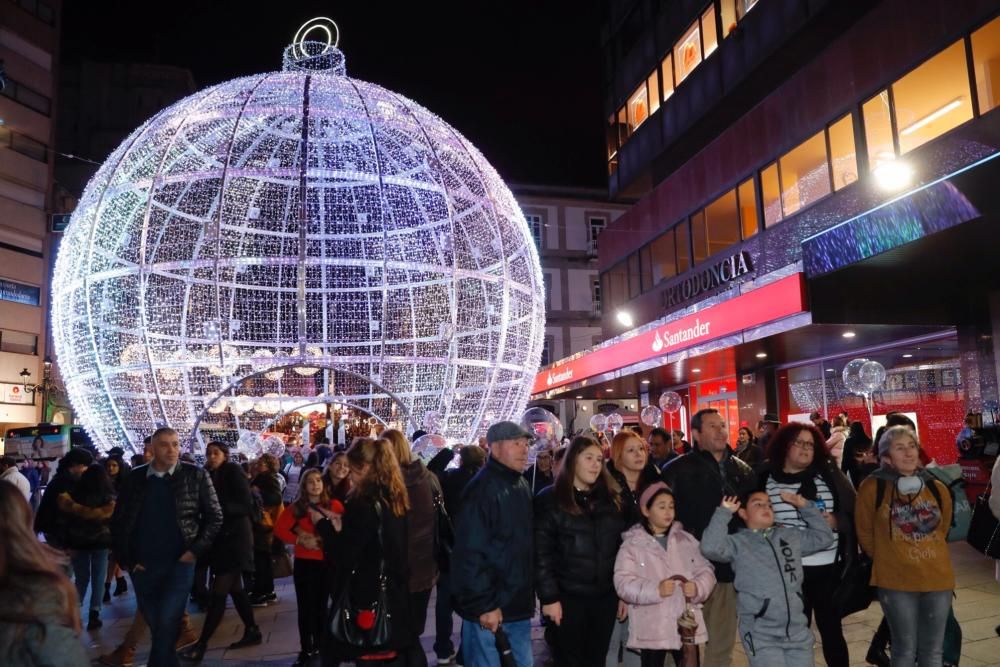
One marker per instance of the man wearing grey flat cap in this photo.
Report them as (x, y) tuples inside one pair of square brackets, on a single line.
[(492, 562)]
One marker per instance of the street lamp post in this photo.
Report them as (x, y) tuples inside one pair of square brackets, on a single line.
[(45, 387)]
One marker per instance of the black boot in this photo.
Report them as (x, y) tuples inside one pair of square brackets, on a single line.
[(95, 620), (251, 637), (121, 586), (193, 653), (876, 651), (107, 593)]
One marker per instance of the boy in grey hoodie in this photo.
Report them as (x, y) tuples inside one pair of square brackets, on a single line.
[(767, 560)]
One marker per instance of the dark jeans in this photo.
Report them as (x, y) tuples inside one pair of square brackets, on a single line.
[(162, 591), (263, 576), (818, 585), (444, 624), (311, 595), (583, 635)]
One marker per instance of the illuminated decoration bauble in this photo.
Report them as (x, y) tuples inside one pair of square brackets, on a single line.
[(241, 405), (670, 402), (339, 226), (598, 423), (615, 422), (544, 425), (871, 376), (314, 352), (851, 376), (651, 416)]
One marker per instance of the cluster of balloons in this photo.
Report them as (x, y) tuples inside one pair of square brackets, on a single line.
[(253, 444), (864, 377), (602, 423)]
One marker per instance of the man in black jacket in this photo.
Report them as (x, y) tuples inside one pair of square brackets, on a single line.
[(492, 568), (699, 480), (167, 515)]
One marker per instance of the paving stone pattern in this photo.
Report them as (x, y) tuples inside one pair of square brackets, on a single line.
[(977, 607)]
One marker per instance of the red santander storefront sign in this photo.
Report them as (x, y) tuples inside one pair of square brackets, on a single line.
[(772, 302)]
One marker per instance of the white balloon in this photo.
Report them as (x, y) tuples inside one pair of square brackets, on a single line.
[(670, 402), (872, 376), (651, 416), (851, 376), (544, 425), (427, 446), (598, 423), (615, 421)]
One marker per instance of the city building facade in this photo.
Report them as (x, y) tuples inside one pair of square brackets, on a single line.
[(567, 224), (814, 184), (29, 51)]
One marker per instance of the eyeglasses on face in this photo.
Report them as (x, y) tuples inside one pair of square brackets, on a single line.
[(805, 445)]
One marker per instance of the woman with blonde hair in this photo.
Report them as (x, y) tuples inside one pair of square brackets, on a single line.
[(365, 543), (424, 491), (39, 623)]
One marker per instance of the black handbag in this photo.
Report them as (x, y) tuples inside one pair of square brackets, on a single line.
[(444, 534), (854, 592), (984, 528), (367, 627)]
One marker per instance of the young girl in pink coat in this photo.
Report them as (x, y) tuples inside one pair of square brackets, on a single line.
[(651, 554)]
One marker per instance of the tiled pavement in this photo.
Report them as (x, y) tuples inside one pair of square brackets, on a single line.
[(977, 608)]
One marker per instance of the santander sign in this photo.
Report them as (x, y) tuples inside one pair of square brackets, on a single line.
[(774, 301)]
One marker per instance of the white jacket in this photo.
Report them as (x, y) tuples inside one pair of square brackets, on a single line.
[(14, 476), (995, 495)]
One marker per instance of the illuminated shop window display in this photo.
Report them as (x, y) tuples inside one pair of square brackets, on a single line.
[(295, 238)]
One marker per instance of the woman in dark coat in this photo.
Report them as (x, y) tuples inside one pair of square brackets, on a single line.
[(266, 484), (353, 544), (117, 471), (578, 528), (231, 554), (88, 534)]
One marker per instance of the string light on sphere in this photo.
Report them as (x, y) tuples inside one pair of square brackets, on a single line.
[(296, 221)]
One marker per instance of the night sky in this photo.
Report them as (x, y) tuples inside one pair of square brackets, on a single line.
[(520, 79)]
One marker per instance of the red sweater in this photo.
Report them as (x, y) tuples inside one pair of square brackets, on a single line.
[(287, 521)]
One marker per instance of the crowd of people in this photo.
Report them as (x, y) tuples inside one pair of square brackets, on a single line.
[(633, 549)]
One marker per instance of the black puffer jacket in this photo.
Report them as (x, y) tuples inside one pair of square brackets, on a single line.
[(421, 485), (575, 553), (199, 516), (492, 562), (699, 484)]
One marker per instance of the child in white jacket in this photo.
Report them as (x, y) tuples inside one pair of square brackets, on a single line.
[(652, 554)]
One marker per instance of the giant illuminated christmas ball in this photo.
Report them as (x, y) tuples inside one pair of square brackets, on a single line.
[(296, 238)]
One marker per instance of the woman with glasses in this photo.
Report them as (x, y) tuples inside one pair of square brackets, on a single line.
[(799, 463)]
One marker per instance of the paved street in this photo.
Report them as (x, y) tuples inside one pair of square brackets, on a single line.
[(976, 605)]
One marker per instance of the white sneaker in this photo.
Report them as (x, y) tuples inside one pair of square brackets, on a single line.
[(450, 660)]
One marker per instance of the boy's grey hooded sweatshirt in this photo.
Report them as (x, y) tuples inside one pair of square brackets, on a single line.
[(768, 572)]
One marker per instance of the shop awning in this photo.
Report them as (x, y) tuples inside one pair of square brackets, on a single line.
[(659, 341)]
